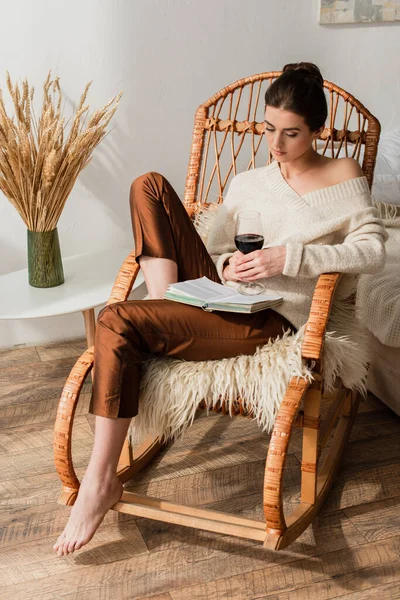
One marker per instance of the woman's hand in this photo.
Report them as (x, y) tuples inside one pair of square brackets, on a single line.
[(256, 265)]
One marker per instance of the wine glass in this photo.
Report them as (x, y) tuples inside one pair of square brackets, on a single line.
[(248, 237)]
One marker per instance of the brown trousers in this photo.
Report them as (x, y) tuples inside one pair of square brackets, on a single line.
[(125, 330)]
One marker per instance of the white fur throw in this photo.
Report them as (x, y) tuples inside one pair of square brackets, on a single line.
[(172, 389)]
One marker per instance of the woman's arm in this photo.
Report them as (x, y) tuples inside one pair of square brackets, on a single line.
[(362, 251)]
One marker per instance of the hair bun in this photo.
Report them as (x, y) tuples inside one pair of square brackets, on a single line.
[(306, 68)]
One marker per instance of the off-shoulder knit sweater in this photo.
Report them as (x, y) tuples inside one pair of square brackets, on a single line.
[(333, 229)]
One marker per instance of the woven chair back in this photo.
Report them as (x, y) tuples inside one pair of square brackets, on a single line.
[(228, 136)]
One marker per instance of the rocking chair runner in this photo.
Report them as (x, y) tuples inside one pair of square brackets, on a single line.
[(227, 117)]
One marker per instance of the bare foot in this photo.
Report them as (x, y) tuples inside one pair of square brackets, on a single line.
[(96, 496)]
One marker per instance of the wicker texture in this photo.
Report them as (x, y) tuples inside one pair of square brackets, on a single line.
[(277, 452), (228, 136), (125, 279), (319, 314), (64, 423), (227, 139)]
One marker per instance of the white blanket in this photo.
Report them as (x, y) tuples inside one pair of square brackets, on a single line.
[(378, 296)]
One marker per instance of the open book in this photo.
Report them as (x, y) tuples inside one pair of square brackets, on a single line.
[(210, 296)]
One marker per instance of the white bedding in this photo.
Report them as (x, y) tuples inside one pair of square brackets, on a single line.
[(378, 296)]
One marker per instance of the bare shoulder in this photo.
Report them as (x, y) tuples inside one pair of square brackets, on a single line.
[(346, 168), (337, 170)]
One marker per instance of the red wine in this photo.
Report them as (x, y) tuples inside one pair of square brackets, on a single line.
[(248, 242)]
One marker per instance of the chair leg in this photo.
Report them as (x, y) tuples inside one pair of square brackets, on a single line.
[(130, 463), (316, 481), (273, 506), (63, 427), (311, 423)]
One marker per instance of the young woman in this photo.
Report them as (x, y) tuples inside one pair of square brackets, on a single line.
[(317, 217)]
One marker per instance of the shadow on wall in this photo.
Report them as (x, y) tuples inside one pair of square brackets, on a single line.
[(109, 174), (12, 258), (30, 332)]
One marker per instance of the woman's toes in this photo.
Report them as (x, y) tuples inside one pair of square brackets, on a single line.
[(93, 502), (58, 542)]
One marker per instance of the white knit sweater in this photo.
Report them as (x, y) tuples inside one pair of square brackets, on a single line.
[(334, 229)]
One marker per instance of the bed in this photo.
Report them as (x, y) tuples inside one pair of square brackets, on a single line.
[(378, 296)]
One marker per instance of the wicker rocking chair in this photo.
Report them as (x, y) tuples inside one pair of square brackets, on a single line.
[(228, 139)]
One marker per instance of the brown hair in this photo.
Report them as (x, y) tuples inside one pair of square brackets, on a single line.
[(300, 89)]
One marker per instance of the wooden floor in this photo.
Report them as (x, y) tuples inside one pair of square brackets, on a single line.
[(352, 551)]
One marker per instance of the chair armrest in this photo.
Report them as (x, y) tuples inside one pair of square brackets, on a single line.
[(64, 423), (321, 305), (125, 279)]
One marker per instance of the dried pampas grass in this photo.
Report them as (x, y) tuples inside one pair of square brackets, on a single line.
[(39, 164)]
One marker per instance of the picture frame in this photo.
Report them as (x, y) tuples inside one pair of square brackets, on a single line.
[(338, 12)]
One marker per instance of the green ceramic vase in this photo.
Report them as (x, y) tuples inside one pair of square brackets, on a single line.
[(44, 259)]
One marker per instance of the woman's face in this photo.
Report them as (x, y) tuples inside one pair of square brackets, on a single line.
[(288, 133)]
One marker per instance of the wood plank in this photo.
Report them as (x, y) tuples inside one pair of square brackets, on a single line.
[(211, 486), (216, 428), (161, 471), (82, 596), (329, 531), (219, 464), (194, 517), (158, 597), (62, 349), (365, 453), (23, 464), (18, 356), (390, 591), (190, 566), (37, 410), (23, 524), (36, 559), (352, 488), (173, 463), (38, 371), (374, 424), (368, 425), (14, 394), (40, 490), (45, 487), (34, 490), (30, 437), (371, 403), (376, 520), (297, 580)]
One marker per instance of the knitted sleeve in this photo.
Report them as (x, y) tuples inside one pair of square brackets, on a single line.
[(362, 250)]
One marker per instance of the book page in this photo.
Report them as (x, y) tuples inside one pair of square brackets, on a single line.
[(202, 288), (258, 298), (209, 291)]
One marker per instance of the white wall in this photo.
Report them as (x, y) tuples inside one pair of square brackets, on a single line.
[(168, 56)]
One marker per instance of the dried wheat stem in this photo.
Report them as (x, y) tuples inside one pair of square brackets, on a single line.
[(39, 164)]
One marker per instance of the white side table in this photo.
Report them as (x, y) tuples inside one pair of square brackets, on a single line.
[(88, 282)]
